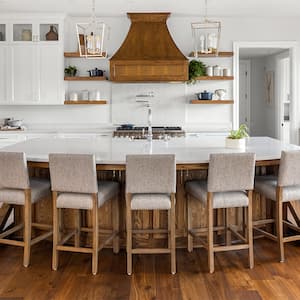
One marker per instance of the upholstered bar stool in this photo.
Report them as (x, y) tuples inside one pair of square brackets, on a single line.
[(229, 184), (16, 188), (74, 186), (282, 189), (150, 185)]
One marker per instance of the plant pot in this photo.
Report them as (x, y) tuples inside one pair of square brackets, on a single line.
[(235, 143)]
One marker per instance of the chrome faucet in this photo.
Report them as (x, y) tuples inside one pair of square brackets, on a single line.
[(149, 135), (148, 105)]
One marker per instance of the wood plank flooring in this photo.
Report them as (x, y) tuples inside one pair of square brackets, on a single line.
[(151, 279)]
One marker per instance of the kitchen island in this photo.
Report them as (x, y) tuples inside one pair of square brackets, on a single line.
[(192, 154)]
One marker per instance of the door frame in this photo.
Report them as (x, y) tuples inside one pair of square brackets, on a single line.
[(292, 47), (248, 90)]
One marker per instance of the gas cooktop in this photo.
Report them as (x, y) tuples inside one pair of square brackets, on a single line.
[(140, 132)]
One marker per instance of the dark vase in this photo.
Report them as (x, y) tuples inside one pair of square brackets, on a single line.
[(52, 35)]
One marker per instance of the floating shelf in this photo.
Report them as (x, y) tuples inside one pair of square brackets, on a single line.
[(220, 54), (77, 54), (87, 78), (68, 102), (214, 78), (211, 101)]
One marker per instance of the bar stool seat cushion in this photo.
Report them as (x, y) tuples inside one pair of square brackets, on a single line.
[(198, 189), (106, 191), (150, 201), (40, 188), (267, 186)]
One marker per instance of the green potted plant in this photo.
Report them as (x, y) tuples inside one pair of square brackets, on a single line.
[(196, 68), (237, 138), (70, 71)]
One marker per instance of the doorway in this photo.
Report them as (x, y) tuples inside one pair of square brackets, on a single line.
[(264, 89)]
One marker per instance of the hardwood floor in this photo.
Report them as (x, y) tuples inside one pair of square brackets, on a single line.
[(151, 278)]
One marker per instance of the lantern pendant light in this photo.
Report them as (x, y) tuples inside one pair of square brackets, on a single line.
[(91, 36), (206, 36)]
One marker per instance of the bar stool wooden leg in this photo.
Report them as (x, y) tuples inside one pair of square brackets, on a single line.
[(189, 223), (129, 234), (227, 231), (172, 233), (55, 232), (95, 235), (250, 231), (115, 220), (279, 223), (210, 234), (77, 217), (27, 228)]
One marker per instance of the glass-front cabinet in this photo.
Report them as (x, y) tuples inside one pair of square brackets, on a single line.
[(36, 32), (31, 60), (2, 32)]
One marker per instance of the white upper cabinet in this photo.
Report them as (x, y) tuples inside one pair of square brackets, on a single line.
[(31, 60)]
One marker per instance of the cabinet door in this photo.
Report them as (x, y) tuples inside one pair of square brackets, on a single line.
[(24, 74), (4, 75), (51, 74)]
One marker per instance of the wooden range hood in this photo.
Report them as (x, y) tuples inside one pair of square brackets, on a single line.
[(148, 52)]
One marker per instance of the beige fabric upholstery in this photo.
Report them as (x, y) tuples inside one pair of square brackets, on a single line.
[(231, 172), (150, 201), (107, 190), (13, 170), (266, 185), (74, 173), (40, 188), (198, 189), (151, 174), (289, 170)]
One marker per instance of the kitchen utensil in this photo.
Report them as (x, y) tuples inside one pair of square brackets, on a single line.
[(95, 72), (15, 123), (204, 95), (52, 35), (127, 126), (220, 93), (6, 121)]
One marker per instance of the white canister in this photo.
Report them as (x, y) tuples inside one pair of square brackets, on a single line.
[(94, 95), (209, 71), (217, 70), (226, 72), (73, 96), (84, 95)]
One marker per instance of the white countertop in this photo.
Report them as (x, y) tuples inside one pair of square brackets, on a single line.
[(190, 149)]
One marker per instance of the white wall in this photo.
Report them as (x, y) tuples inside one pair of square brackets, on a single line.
[(204, 116)]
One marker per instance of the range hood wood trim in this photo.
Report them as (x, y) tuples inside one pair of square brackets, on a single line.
[(148, 43)]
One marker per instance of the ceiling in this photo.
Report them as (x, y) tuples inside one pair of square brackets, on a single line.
[(187, 7)]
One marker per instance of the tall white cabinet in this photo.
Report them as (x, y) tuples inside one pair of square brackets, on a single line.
[(31, 65)]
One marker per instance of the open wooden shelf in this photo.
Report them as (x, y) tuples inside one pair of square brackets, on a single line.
[(77, 54), (220, 54), (68, 102), (87, 78), (214, 78), (211, 101)]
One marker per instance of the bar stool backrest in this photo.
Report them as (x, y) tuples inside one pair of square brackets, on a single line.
[(152, 173), (73, 173), (13, 170), (231, 172), (289, 169)]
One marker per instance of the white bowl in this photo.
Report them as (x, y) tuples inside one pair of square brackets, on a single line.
[(15, 123)]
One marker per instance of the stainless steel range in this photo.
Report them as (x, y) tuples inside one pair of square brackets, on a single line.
[(158, 132)]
